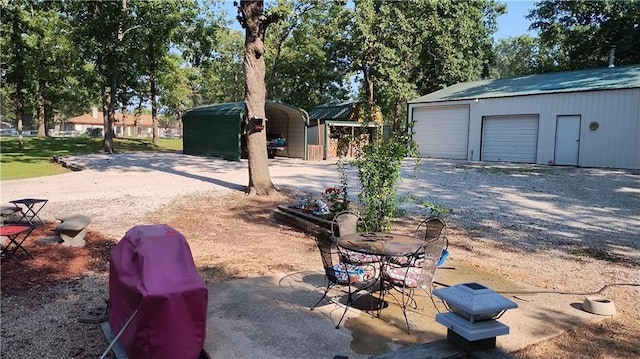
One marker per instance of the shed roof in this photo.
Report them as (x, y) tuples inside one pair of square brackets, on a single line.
[(333, 111), (569, 81)]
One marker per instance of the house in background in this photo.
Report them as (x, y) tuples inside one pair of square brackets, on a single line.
[(588, 118), (332, 125), (126, 125)]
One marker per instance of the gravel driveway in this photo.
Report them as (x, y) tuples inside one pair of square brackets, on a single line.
[(529, 206), (535, 207)]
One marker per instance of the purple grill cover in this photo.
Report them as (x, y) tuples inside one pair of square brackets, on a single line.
[(152, 269)]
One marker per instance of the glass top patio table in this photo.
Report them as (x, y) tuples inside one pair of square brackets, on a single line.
[(380, 243)]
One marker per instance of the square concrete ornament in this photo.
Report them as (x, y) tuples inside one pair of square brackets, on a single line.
[(474, 302)]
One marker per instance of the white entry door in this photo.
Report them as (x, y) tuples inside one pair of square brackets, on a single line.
[(567, 140)]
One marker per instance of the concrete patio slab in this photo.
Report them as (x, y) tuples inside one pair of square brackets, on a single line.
[(270, 317)]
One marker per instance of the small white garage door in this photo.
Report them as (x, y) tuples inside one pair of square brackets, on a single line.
[(442, 132), (510, 138)]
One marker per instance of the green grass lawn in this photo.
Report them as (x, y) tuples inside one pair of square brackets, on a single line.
[(36, 158)]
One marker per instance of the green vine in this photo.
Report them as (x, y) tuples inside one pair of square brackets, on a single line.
[(435, 209), (379, 165)]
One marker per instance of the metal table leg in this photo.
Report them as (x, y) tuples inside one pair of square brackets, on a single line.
[(32, 206)]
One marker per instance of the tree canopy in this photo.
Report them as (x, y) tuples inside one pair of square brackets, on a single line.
[(524, 55), (172, 55), (583, 32)]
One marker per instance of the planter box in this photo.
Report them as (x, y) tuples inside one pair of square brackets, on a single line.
[(302, 219)]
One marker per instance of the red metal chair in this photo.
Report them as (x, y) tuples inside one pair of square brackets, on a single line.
[(16, 234)]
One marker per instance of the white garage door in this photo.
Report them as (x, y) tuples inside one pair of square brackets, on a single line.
[(442, 132), (510, 138)]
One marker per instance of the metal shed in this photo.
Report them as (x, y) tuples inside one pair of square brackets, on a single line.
[(588, 118), (215, 130)]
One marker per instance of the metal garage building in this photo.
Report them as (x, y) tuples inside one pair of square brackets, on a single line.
[(588, 118), (215, 130)]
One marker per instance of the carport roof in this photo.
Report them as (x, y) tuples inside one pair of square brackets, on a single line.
[(237, 108), (222, 109), (569, 81)]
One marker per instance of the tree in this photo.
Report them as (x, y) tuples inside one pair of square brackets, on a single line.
[(457, 44), (524, 55), (419, 47), (302, 66), (378, 39), (391, 34), (399, 51), (102, 30), (159, 24), (175, 89), (585, 31), (56, 64), (207, 47), (255, 21), (17, 64), (379, 167), (221, 80), (41, 71)]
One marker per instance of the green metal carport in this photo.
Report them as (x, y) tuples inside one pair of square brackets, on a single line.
[(215, 130)]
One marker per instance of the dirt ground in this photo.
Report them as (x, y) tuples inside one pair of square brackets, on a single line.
[(237, 237)]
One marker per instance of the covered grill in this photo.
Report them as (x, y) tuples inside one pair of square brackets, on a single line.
[(156, 295)]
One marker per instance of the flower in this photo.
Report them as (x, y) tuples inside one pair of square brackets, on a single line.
[(331, 190), (336, 199), (331, 194)]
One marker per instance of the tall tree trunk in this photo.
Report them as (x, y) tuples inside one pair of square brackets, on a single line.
[(397, 111), (114, 83), (154, 102), (108, 108), (50, 119), (369, 81), (108, 129), (111, 110), (20, 101), (20, 115), (255, 24), (40, 108), (104, 99)]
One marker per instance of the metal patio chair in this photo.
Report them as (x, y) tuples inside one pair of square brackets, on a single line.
[(352, 277), (401, 281), (349, 222), (429, 228)]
